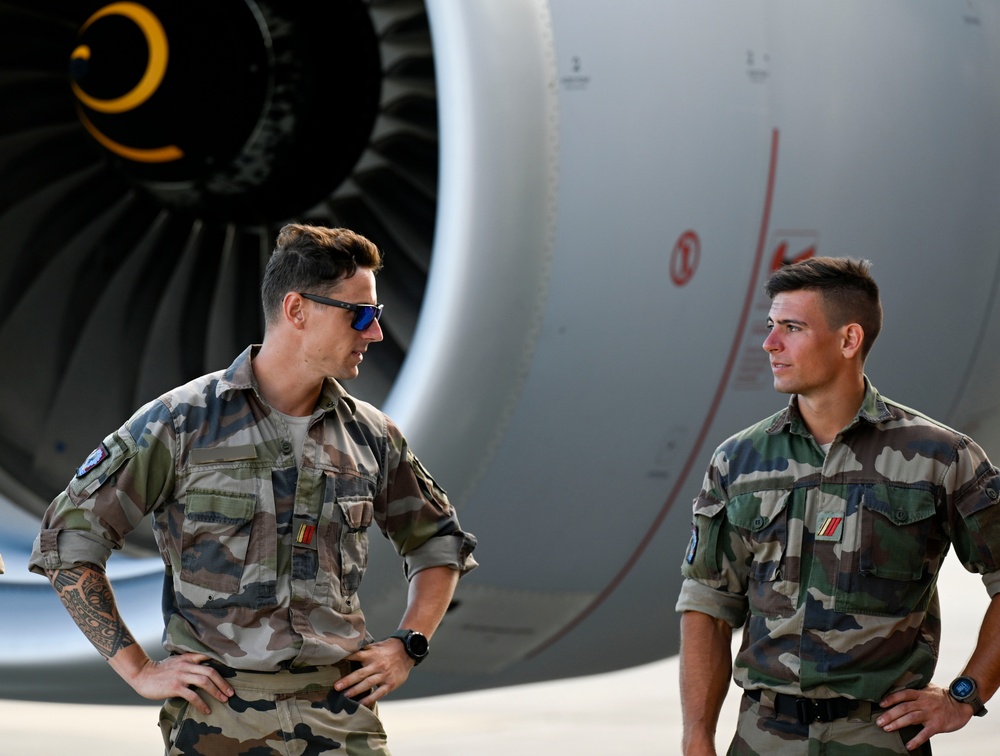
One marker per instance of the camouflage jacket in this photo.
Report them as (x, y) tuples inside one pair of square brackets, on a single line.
[(264, 557), (830, 561)]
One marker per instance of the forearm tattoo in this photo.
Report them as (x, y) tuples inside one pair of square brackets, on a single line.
[(87, 596)]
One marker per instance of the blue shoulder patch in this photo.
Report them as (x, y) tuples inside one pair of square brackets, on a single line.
[(96, 457), (693, 546)]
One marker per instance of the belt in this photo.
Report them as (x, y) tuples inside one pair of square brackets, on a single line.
[(249, 683), (808, 710), (345, 667)]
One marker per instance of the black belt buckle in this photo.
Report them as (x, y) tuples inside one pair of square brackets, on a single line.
[(805, 710), (820, 710)]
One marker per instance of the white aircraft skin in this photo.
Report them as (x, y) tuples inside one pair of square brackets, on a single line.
[(617, 179)]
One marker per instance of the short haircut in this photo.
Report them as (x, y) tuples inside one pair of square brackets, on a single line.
[(847, 289), (313, 259)]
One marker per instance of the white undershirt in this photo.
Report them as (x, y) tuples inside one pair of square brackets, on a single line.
[(298, 427)]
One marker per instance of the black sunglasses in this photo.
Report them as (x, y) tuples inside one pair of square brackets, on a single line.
[(363, 314)]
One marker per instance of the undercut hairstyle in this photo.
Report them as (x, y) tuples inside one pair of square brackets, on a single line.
[(313, 259), (848, 292)]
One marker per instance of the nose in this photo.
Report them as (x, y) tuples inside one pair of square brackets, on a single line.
[(771, 343), (373, 332)]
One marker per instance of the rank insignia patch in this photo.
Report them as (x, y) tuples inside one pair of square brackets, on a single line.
[(829, 526), (305, 534), (96, 457), (692, 546)]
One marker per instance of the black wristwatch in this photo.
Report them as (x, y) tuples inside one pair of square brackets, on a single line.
[(416, 644), (964, 689)]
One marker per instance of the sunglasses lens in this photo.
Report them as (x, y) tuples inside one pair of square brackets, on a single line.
[(364, 317)]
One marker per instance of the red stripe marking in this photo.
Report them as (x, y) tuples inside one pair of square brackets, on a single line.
[(831, 525), (306, 534), (709, 419)]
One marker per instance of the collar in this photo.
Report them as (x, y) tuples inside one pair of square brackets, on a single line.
[(239, 377), (873, 410)]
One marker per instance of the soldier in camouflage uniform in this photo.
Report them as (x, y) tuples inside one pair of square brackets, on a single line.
[(821, 531), (263, 481)]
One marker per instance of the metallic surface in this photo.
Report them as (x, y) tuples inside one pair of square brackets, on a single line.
[(616, 180)]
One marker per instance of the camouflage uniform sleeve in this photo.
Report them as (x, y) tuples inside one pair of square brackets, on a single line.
[(118, 484), (414, 512), (973, 484), (714, 583)]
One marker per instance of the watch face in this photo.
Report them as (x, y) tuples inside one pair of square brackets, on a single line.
[(962, 687), (417, 644)]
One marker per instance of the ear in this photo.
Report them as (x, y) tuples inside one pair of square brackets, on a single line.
[(293, 310), (854, 337)]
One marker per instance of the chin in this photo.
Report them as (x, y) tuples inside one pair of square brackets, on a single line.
[(784, 388)]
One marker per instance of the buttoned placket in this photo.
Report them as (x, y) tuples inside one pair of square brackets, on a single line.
[(308, 527)]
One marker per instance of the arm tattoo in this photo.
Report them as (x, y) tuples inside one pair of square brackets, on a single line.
[(86, 594)]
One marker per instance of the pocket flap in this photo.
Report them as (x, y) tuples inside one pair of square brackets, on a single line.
[(215, 506), (357, 513), (757, 510), (902, 506)]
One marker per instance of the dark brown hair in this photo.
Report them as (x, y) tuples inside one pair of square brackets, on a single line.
[(313, 259), (849, 293)]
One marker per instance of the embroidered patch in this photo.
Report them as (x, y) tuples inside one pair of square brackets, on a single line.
[(96, 457), (829, 526), (692, 546)]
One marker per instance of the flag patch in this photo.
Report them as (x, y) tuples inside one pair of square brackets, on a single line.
[(829, 526), (96, 457)]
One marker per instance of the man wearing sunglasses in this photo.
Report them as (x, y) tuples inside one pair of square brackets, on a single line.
[(263, 482)]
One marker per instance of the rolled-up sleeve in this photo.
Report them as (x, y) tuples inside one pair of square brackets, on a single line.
[(418, 517), (976, 533), (714, 579), (698, 597), (453, 551), (107, 498)]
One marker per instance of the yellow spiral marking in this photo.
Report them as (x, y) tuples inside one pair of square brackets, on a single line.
[(156, 67), (139, 155)]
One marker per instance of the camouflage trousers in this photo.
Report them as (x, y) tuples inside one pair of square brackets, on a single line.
[(762, 731), (281, 714)]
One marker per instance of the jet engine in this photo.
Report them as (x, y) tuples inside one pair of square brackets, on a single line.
[(578, 202)]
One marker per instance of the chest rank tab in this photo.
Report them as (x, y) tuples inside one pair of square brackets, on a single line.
[(829, 526), (304, 531)]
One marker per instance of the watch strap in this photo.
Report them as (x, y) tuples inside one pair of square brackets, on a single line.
[(406, 635)]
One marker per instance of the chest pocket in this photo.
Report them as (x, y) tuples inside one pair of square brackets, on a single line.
[(348, 512), (356, 516), (895, 533), (760, 520), (216, 538), (899, 551)]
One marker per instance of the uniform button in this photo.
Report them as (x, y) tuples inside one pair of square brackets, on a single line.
[(286, 446), (758, 522), (900, 515), (992, 493)]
